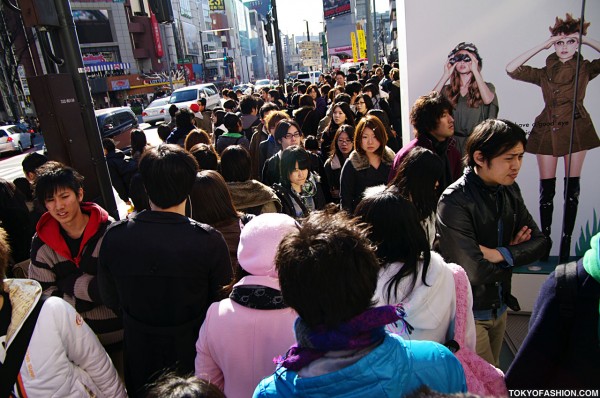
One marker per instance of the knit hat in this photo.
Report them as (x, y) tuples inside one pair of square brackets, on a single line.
[(259, 240), (195, 108)]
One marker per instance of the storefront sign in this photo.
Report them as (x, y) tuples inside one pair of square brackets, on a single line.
[(158, 46), (121, 84)]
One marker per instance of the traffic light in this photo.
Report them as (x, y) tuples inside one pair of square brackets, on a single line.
[(163, 10), (268, 32)]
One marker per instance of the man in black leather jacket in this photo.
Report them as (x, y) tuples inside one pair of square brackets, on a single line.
[(485, 227)]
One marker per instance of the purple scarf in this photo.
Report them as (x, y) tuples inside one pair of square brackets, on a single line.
[(359, 332)]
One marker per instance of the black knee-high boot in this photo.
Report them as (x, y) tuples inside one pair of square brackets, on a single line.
[(571, 204), (547, 191)]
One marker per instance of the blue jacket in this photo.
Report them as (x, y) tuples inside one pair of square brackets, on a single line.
[(393, 369)]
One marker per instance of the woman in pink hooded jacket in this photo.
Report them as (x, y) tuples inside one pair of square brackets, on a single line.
[(243, 333)]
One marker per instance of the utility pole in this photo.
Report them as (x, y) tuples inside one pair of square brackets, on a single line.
[(370, 55), (278, 49)]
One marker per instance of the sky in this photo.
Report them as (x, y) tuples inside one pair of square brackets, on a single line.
[(292, 14)]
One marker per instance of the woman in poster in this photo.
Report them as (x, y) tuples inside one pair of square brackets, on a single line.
[(473, 99), (551, 133)]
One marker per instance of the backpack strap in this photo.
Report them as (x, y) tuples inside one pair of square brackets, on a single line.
[(566, 289), (16, 352)]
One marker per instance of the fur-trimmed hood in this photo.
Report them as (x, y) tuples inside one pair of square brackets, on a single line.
[(361, 162), (252, 193)]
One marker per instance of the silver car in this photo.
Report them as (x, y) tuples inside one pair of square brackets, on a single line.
[(156, 110), (12, 140)]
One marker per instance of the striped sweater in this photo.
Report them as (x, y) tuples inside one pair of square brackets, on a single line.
[(74, 278)]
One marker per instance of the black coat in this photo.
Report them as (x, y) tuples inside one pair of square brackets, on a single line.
[(162, 271), (121, 169), (467, 217), (557, 353)]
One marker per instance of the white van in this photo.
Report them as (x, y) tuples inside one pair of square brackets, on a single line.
[(311, 77), (186, 96)]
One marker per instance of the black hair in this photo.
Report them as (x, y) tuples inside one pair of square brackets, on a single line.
[(138, 140), (342, 97), (327, 269), (344, 128), (274, 94), (32, 161), (372, 88), (24, 187), (282, 127), (53, 176), (183, 119), (266, 108), (416, 179), (168, 172), (354, 87), (289, 157), (247, 104), (367, 99), (426, 112), (235, 164), (332, 127), (163, 131), (202, 101), (306, 100), (231, 122), (220, 115), (399, 237), (206, 156), (211, 200), (493, 137), (311, 143), (109, 144), (230, 104), (173, 110)]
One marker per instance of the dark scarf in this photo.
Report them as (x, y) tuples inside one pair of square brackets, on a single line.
[(359, 332), (258, 297)]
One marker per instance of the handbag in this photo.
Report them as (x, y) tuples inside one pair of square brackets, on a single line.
[(16, 352), (482, 377)]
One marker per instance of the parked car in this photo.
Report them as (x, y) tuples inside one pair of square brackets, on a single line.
[(156, 110), (12, 140), (311, 77), (117, 123), (262, 83), (186, 96)]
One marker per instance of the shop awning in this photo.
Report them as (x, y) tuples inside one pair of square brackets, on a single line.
[(107, 66)]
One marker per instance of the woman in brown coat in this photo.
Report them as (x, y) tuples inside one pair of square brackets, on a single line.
[(551, 133)]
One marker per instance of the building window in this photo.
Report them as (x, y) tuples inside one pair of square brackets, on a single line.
[(186, 9)]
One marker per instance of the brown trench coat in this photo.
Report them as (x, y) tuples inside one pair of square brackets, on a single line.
[(551, 132)]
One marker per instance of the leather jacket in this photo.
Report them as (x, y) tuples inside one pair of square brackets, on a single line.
[(468, 215)]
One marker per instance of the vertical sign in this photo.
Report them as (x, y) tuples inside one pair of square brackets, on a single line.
[(354, 47), (362, 43)]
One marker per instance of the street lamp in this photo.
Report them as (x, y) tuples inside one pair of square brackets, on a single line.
[(202, 47)]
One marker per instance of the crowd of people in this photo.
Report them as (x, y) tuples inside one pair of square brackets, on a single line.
[(286, 244)]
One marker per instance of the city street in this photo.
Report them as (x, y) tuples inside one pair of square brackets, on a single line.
[(10, 165)]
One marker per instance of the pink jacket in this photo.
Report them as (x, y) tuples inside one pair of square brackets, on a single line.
[(236, 344)]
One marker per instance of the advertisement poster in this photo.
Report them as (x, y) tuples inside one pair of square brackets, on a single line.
[(516, 35), (93, 26), (334, 8), (191, 38)]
